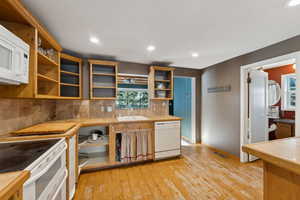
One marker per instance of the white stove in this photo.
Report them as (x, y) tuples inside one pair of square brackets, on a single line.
[(45, 159)]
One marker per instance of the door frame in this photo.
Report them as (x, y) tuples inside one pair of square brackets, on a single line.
[(266, 119), (194, 112), (293, 58)]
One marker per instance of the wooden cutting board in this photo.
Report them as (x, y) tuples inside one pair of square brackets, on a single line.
[(45, 129)]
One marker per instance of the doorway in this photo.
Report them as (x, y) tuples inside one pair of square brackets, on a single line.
[(184, 106), (268, 101)]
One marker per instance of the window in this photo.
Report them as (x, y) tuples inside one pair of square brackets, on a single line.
[(288, 92), (132, 97)]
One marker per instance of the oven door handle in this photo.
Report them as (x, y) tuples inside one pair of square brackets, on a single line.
[(32, 179), (62, 183)]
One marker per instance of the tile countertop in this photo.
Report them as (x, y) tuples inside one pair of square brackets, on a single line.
[(284, 153), (287, 121), (106, 121), (83, 122), (11, 182)]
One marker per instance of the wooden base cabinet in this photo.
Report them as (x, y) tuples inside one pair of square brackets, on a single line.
[(280, 183), (284, 130)]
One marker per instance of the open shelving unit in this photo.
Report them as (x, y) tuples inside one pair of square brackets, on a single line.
[(93, 154), (102, 153), (161, 83), (44, 57), (43, 64), (70, 77), (103, 79), (47, 69)]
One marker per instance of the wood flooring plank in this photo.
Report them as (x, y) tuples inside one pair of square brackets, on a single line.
[(200, 174)]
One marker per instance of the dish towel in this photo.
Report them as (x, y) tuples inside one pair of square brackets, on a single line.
[(135, 145)]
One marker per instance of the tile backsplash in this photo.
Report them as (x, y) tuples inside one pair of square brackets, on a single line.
[(21, 113), (66, 109)]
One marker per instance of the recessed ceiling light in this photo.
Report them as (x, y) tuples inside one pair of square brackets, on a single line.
[(195, 55), (293, 3), (94, 40), (150, 48)]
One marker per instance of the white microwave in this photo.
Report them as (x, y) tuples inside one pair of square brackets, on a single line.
[(14, 58)]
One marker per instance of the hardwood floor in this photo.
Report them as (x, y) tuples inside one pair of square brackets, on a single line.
[(199, 174)]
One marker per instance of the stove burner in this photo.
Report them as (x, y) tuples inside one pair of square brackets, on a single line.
[(15, 156)]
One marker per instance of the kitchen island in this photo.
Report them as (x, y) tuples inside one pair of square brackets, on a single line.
[(281, 165)]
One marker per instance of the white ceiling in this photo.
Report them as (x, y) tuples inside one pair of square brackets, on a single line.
[(218, 30)]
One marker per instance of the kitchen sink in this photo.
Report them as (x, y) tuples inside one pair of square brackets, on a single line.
[(132, 118)]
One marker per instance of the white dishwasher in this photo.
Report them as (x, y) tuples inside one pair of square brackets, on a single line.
[(167, 139)]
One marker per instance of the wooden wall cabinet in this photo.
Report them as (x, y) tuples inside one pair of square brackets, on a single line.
[(48, 62), (103, 79), (161, 83), (44, 53), (70, 77)]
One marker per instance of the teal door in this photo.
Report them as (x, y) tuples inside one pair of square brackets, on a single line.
[(183, 104)]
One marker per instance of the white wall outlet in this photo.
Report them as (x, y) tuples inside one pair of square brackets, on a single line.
[(109, 109), (102, 108)]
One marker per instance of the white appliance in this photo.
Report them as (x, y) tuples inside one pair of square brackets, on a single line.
[(167, 139), (14, 58), (48, 175)]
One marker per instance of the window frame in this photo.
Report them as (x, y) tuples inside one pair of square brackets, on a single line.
[(132, 107), (287, 92)]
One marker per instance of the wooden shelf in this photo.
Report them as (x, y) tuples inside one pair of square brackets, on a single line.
[(104, 87), (45, 96), (69, 84), (46, 78), (42, 59), (98, 143), (103, 74), (103, 98), (162, 99), (133, 83), (94, 160), (70, 73), (165, 89), (163, 81), (69, 98)]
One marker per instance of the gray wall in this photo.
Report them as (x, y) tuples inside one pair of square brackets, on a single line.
[(138, 68), (221, 111)]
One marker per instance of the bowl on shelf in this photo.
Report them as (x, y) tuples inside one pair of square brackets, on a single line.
[(161, 94), (160, 85)]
